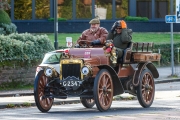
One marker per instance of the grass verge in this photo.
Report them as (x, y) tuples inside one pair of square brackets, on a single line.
[(25, 104), (137, 37)]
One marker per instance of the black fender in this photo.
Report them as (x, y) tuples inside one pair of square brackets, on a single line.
[(118, 88), (139, 69), (153, 70), (36, 80)]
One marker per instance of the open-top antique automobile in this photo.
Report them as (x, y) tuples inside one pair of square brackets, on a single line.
[(88, 73)]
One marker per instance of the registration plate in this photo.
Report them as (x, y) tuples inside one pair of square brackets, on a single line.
[(71, 83)]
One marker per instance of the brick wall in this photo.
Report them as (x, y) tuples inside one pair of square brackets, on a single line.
[(17, 74)]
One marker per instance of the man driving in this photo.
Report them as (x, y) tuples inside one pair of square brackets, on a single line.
[(96, 35)]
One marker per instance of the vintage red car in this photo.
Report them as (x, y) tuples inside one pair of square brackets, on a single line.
[(88, 73)]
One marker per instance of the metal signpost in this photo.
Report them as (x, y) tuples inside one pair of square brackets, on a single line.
[(55, 25), (171, 19)]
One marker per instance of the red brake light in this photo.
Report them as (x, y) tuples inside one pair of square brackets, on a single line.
[(38, 69), (66, 51)]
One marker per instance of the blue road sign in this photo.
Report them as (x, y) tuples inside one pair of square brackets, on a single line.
[(170, 18)]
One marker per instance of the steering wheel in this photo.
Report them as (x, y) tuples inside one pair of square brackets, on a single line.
[(85, 44)]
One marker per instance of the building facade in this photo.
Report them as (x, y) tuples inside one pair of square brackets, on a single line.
[(74, 15)]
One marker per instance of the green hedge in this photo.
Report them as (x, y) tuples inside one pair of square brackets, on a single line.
[(59, 19), (23, 47), (130, 18), (7, 29), (165, 50)]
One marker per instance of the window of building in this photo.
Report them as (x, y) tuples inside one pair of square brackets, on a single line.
[(22, 9), (103, 9), (83, 9), (65, 9), (161, 8), (42, 8), (144, 8), (9, 11), (122, 8)]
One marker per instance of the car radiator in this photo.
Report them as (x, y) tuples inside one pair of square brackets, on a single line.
[(71, 70)]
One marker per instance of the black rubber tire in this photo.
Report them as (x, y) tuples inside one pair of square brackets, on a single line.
[(43, 104), (88, 103), (103, 90), (146, 89)]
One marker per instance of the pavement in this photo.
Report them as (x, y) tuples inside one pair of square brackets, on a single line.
[(20, 98)]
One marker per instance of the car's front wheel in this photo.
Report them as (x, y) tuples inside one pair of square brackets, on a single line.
[(103, 90), (43, 103)]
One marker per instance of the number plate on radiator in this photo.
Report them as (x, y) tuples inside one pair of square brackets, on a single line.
[(71, 82)]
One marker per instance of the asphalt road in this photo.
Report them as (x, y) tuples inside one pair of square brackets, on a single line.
[(165, 106)]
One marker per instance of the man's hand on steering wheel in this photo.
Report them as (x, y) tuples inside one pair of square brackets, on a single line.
[(95, 42), (84, 43), (76, 46)]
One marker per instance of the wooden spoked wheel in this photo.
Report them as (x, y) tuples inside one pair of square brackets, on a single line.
[(88, 103), (103, 90), (44, 104), (146, 89)]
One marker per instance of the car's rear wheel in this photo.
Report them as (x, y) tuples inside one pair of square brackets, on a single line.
[(103, 90), (43, 104), (88, 103), (146, 89)]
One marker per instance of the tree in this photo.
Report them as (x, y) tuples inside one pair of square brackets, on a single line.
[(4, 17), (4, 5), (6, 27)]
